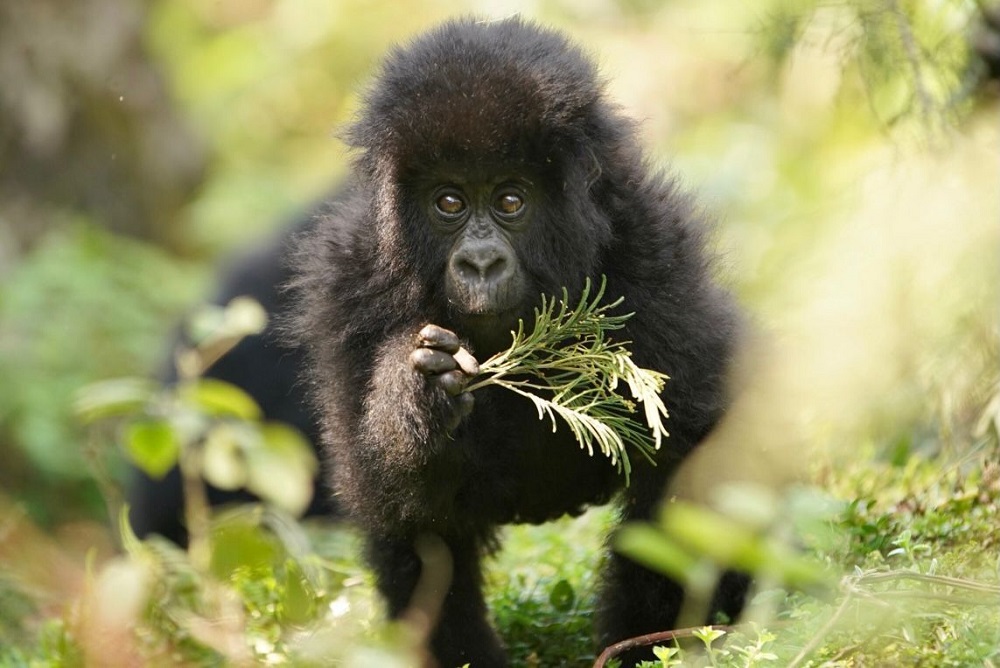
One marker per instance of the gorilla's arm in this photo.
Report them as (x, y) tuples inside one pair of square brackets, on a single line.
[(406, 441), (415, 399)]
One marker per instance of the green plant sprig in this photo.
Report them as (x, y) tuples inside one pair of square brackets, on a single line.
[(568, 367)]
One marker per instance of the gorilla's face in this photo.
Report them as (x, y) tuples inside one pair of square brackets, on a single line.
[(480, 222)]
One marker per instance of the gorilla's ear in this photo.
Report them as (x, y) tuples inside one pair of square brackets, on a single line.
[(594, 170)]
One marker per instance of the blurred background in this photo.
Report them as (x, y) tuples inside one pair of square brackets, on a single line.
[(848, 151)]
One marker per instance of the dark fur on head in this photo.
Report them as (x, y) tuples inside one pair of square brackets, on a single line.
[(471, 101), (472, 88), (521, 96)]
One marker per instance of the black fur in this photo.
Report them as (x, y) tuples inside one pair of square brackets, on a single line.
[(500, 98)]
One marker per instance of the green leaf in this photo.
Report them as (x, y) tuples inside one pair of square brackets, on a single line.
[(708, 635), (205, 322), (298, 598), (223, 459), (241, 317), (691, 532), (562, 597), (153, 446), (571, 369), (652, 548), (245, 316), (281, 470), (240, 543), (219, 398), (666, 655), (113, 398), (708, 533)]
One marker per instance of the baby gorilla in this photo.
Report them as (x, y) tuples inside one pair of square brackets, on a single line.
[(490, 169)]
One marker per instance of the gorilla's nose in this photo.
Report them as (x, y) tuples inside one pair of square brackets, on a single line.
[(488, 265)]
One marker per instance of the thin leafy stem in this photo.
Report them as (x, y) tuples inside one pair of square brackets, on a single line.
[(570, 369)]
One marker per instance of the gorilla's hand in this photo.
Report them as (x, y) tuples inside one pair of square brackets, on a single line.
[(440, 357)]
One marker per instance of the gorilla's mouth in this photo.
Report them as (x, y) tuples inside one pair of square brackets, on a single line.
[(486, 319), (492, 317), (489, 331), (485, 301), (489, 334)]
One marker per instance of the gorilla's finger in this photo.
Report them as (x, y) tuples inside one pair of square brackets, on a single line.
[(453, 382), (430, 362), (466, 402), (467, 362), (439, 338)]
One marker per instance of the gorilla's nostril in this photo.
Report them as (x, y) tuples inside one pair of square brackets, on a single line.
[(467, 270), (481, 267), (494, 269)]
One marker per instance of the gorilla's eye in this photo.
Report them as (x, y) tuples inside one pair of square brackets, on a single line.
[(509, 204), (450, 204)]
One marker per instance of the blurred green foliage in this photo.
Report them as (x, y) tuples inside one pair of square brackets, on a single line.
[(770, 111), (848, 150), (213, 430), (269, 84), (85, 305)]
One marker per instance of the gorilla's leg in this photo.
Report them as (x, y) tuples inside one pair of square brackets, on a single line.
[(635, 601), (730, 596)]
